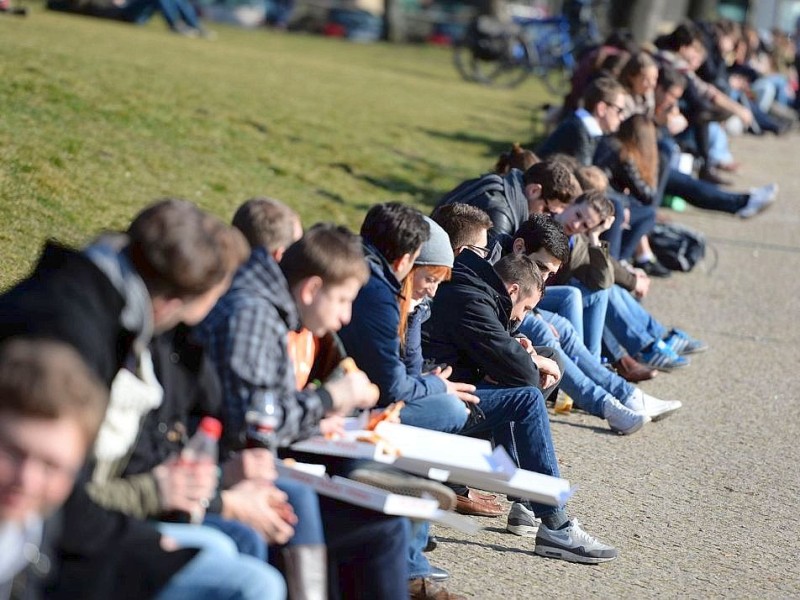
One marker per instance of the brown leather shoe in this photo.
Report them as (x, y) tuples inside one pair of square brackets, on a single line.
[(423, 588), (630, 369), (475, 505)]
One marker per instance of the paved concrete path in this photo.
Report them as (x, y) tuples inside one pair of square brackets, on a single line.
[(703, 504)]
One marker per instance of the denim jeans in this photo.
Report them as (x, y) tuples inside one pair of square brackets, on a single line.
[(305, 503), (367, 552), (703, 194), (247, 539), (517, 420), (630, 323), (594, 316), (218, 571), (614, 234), (440, 412), (140, 11), (567, 301), (642, 220), (584, 378)]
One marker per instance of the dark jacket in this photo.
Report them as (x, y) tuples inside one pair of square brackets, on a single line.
[(502, 197), (371, 338), (102, 553), (623, 175), (469, 328), (68, 298), (572, 138), (191, 391)]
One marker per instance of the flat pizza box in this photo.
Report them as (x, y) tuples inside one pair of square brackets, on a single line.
[(446, 457), (372, 498)]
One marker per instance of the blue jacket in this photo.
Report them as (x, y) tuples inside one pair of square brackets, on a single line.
[(371, 337)]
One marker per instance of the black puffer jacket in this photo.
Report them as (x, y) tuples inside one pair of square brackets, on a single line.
[(502, 197), (469, 328)]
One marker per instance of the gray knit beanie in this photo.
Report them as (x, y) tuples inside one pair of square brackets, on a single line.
[(436, 251)]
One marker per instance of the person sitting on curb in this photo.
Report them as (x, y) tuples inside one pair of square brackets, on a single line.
[(471, 325)]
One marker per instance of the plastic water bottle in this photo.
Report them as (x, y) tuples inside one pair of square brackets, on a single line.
[(203, 446), (262, 418)]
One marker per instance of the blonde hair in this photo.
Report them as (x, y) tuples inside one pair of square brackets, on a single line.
[(407, 292)]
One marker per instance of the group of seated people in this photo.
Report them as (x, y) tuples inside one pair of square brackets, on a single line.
[(521, 285)]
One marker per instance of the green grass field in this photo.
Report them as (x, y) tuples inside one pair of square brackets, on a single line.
[(99, 118)]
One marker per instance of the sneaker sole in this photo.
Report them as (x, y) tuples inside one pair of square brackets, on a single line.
[(561, 554), (664, 413), (523, 530), (418, 488)]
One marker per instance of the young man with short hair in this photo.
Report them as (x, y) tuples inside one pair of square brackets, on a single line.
[(106, 301), (579, 134), (508, 199), (51, 405), (470, 327), (246, 336)]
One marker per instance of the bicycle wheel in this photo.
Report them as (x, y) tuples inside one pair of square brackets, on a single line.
[(551, 66), (508, 70)]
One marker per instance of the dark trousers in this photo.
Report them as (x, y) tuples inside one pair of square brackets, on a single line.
[(703, 194), (366, 552)]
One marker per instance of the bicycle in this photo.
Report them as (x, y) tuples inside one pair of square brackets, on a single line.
[(504, 55)]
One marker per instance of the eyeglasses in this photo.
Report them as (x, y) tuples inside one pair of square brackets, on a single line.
[(620, 109), (481, 251)]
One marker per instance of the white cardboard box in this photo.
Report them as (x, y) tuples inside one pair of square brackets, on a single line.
[(377, 499), (446, 457)]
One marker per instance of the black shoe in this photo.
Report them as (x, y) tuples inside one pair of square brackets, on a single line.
[(432, 544), (653, 268), (711, 176), (438, 575)]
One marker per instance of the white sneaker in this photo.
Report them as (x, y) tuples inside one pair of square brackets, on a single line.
[(621, 418), (760, 198), (651, 406)]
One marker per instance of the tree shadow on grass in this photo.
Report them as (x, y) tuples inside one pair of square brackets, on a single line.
[(394, 185), (493, 147)]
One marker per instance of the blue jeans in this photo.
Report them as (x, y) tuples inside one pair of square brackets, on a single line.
[(567, 301), (614, 234), (642, 220), (584, 378), (440, 412), (305, 502), (594, 316), (630, 323), (140, 11), (218, 571), (517, 419), (703, 194), (247, 539)]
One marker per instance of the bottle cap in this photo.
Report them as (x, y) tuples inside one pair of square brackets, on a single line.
[(211, 427)]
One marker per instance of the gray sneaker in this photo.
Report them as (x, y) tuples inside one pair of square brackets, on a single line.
[(573, 544), (398, 482), (522, 521), (621, 418), (759, 199)]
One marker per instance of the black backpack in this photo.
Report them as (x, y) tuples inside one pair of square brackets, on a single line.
[(677, 247)]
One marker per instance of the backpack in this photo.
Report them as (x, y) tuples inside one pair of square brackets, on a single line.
[(677, 247)]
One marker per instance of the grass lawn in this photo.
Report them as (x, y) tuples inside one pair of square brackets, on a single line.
[(99, 118)]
